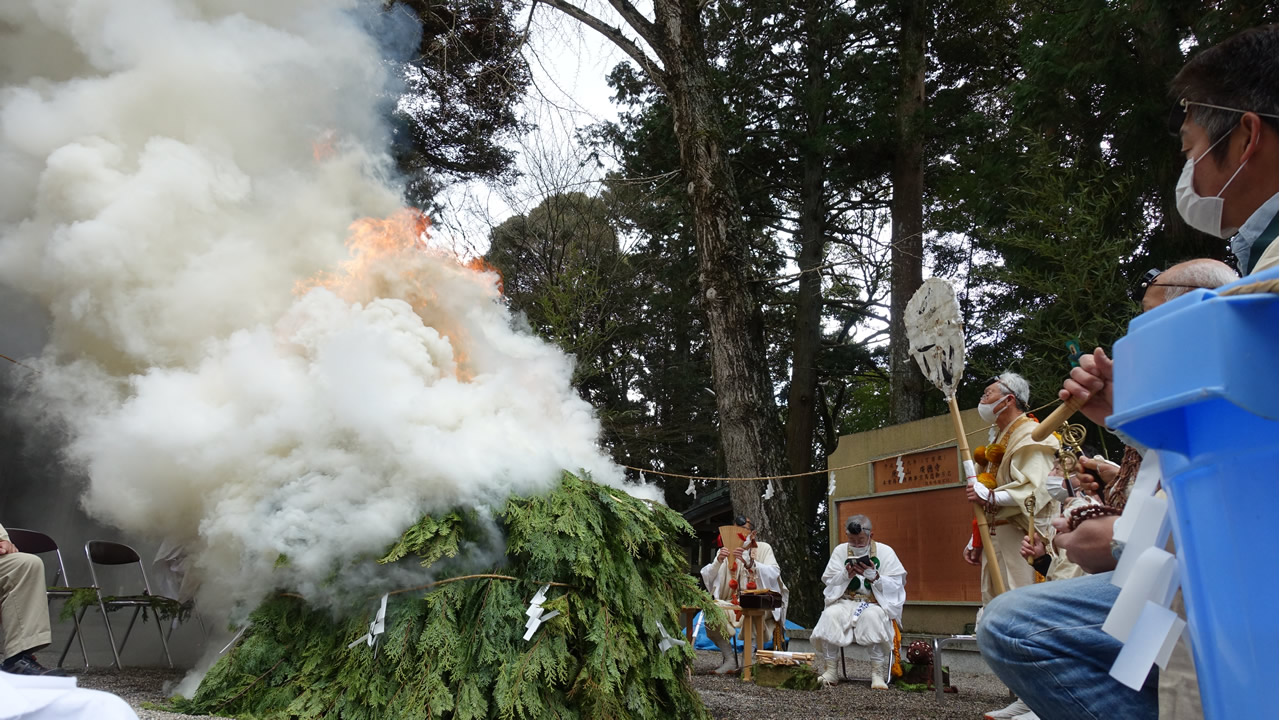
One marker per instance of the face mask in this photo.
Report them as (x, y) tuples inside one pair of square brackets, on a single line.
[(1203, 213), (987, 411), (858, 552)]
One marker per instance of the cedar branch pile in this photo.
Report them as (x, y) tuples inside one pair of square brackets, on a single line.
[(456, 649)]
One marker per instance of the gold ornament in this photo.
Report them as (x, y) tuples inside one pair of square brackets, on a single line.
[(995, 453)]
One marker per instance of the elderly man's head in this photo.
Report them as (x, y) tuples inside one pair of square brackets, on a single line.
[(857, 530), (1007, 385), (1228, 131), (1183, 278)]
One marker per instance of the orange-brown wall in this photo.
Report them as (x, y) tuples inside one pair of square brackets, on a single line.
[(928, 530)]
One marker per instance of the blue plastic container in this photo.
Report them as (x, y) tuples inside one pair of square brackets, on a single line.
[(1196, 379)]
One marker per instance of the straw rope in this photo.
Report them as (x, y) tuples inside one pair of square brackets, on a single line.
[(940, 443)]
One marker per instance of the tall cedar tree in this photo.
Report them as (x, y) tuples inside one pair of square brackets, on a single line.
[(670, 50)]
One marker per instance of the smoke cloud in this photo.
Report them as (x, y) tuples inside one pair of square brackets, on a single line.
[(179, 181)]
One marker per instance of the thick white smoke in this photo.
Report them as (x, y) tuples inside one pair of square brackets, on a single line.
[(163, 201)]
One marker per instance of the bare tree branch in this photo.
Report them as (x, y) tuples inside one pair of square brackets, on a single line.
[(638, 22), (614, 35)]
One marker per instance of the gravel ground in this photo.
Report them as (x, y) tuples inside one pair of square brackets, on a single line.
[(726, 697)]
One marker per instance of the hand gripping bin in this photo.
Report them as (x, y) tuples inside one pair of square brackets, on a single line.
[(1195, 379)]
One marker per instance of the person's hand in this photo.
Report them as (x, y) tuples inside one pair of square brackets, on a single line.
[(1106, 472), (973, 555), (720, 556), (868, 572), (972, 495), (1032, 548), (737, 554), (7, 547), (1089, 545), (1091, 384), (851, 568)]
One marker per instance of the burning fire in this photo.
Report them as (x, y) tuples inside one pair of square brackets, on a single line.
[(324, 146), (392, 258)]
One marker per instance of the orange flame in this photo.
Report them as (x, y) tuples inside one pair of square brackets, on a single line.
[(480, 265), (323, 147), (385, 262)]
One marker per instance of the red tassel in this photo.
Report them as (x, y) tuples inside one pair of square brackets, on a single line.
[(977, 536)]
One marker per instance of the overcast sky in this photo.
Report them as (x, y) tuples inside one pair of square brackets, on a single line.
[(569, 64)]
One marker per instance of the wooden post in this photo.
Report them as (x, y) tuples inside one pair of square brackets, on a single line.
[(988, 549)]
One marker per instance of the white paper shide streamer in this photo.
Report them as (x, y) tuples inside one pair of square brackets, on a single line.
[(536, 613), (667, 642), (902, 473), (376, 627), (831, 483), (768, 491)]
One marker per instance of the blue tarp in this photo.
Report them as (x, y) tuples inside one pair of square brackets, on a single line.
[(703, 643)]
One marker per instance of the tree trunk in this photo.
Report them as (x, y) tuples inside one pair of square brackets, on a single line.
[(750, 433), (907, 384), (802, 413)]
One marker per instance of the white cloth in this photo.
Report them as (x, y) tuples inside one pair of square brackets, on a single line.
[(26, 697), (760, 564), (848, 620)]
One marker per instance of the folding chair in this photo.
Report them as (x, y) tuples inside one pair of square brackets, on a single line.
[(37, 543), (101, 552)]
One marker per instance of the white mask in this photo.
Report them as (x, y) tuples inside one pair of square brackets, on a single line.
[(858, 552), (987, 411), (1203, 213), (1057, 487)]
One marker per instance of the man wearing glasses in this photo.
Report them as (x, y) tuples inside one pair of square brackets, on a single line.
[(1229, 184)]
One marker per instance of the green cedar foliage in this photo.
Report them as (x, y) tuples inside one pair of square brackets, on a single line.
[(456, 649), (87, 597)]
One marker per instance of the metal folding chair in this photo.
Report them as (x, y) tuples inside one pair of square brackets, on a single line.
[(37, 543), (101, 552)]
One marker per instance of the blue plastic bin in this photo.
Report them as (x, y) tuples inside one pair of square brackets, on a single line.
[(1196, 380)]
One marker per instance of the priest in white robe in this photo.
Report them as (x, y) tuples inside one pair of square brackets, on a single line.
[(865, 591), (750, 567)]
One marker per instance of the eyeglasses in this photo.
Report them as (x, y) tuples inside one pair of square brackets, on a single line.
[(1180, 109), (1149, 280), (995, 380)]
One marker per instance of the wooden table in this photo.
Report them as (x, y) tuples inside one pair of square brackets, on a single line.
[(687, 614), (752, 633)]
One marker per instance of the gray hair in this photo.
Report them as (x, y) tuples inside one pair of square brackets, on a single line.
[(862, 521), (1018, 387), (1187, 276), (1237, 73)]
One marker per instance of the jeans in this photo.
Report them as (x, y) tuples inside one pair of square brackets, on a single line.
[(1046, 643)]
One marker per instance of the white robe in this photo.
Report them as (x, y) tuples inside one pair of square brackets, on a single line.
[(858, 620), (26, 697), (768, 575)]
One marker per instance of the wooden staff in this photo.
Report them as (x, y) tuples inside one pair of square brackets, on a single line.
[(1056, 418), (1030, 505), (988, 547)]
